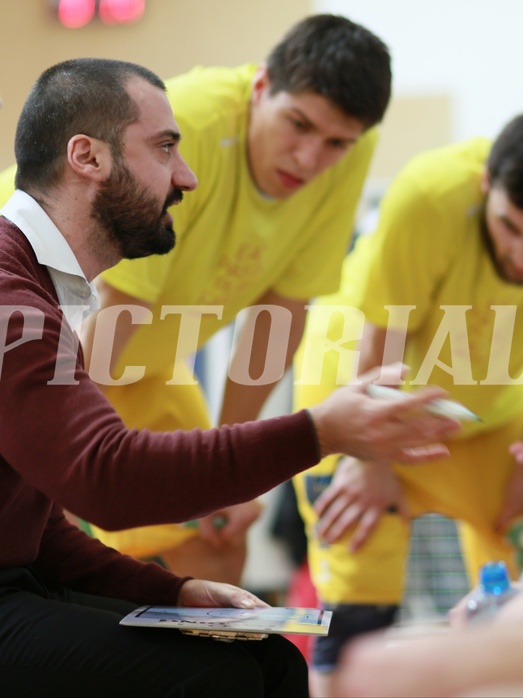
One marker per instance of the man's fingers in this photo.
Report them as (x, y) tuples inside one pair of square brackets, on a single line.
[(420, 431), (331, 515), (366, 526), (341, 525), (391, 374)]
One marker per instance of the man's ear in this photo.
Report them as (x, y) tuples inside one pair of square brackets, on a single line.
[(89, 157), (260, 84), (485, 181)]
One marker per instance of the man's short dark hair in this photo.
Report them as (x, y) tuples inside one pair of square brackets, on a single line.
[(505, 162), (338, 59), (83, 95)]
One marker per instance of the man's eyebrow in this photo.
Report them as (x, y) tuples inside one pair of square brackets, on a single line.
[(298, 112), (169, 133)]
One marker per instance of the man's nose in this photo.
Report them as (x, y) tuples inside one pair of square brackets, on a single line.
[(183, 177), (308, 155)]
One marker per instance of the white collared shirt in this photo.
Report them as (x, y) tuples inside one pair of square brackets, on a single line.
[(77, 297)]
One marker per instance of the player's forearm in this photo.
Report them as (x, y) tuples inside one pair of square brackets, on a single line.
[(264, 358), (243, 403), (380, 346), (104, 343)]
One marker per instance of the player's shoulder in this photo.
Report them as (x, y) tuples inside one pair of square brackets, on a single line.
[(471, 153)]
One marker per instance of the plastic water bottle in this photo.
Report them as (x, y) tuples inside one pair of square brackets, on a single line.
[(494, 590)]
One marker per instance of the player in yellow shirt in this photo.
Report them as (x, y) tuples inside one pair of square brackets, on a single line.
[(281, 152), (439, 284)]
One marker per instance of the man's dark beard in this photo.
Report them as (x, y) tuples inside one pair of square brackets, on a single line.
[(129, 215)]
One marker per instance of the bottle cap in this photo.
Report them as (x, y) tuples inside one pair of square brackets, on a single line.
[(494, 578)]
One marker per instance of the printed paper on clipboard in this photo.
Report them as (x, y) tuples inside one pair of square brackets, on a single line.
[(233, 623)]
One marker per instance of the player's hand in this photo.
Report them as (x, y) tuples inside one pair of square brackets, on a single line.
[(358, 495), (199, 592), (351, 422), (229, 525)]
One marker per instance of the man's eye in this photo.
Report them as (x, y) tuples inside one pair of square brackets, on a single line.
[(299, 125), (167, 147), (510, 228), (341, 145)]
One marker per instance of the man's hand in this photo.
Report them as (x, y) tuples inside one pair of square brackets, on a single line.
[(358, 495), (233, 523), (199, 592), (351, 422)]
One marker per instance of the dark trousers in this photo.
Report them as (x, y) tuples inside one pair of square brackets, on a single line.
[(63, 643)]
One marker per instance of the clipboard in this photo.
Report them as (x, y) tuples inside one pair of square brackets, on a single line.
[(230, 624)]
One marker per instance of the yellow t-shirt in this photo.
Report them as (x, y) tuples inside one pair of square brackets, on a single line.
[(233, 243), (7, 183), (428, 251)]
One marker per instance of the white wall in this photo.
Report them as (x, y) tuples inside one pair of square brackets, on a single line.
[(471, 49)]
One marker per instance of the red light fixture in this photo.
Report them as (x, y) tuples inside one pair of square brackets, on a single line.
[(120, 11), (74, 14)]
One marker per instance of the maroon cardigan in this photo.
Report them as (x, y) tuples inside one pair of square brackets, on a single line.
[(63, 445)]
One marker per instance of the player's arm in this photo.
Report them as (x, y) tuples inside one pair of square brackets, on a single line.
[(379, 346), (243, 402), (361, 491)]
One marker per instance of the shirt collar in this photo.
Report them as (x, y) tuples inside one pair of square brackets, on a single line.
[(76, 295)]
